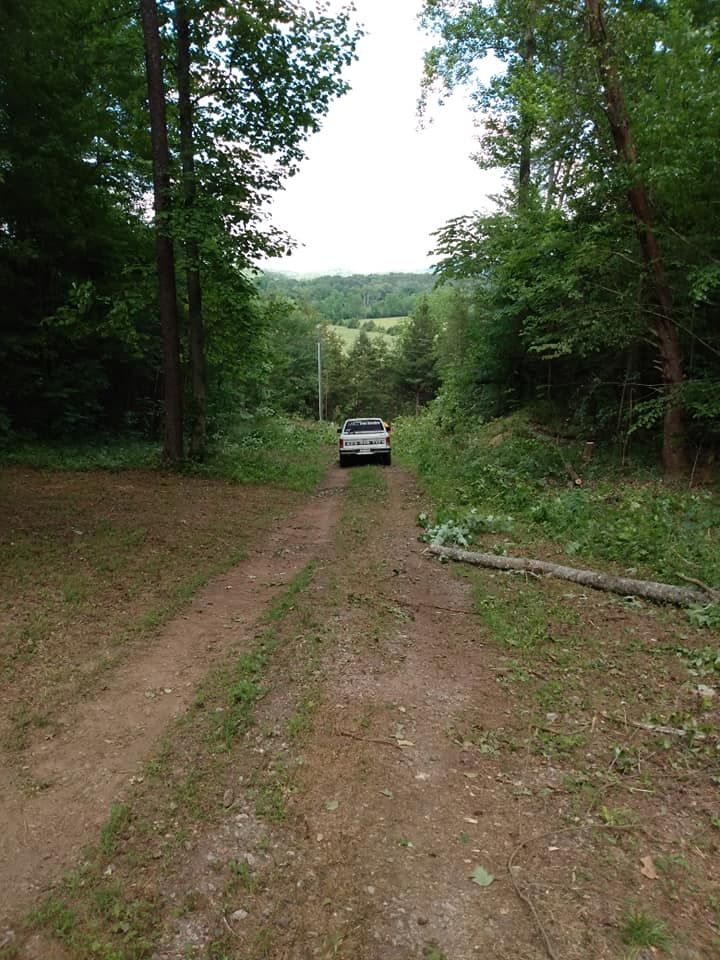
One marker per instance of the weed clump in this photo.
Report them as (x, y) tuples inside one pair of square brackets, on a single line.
[(642, 930)]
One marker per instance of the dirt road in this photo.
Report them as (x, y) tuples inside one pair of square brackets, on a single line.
[(397, 782)]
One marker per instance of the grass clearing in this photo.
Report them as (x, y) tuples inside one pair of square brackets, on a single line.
[(378, 332), (113, 454), (259, 450), (275, 450)]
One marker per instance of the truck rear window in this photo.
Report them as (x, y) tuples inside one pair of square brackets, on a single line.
[(364, 426)]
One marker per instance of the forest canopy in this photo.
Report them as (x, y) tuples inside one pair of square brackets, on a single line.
[(207, 109), (594, 286)]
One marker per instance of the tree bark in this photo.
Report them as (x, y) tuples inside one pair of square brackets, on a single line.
[(529, 50), (675, 458), (649, 589), (198, 366), (164, 255)]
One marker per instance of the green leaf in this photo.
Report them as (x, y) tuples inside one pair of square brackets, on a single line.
[(481, 877), (332, 805)]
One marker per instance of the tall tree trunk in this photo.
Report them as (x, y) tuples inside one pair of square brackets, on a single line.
[(198, 365), (674, 445), (164, 256), (529, 50)]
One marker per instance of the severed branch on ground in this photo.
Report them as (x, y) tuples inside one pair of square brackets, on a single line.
[(625, 586)]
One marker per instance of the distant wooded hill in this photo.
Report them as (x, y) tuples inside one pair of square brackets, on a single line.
[(360, 296)]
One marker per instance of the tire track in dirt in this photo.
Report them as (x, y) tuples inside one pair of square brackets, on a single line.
[(107, 739)]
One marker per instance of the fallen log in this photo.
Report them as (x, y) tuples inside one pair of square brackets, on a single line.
[(625, 586)]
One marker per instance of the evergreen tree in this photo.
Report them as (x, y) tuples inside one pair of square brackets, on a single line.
[(416, 365)]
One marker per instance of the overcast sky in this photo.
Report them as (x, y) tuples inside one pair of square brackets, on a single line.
[(373, 186)]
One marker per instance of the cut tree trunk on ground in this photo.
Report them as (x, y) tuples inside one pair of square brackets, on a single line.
[(648, 589)]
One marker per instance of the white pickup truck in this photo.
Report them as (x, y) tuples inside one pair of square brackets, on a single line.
[(363, 437)]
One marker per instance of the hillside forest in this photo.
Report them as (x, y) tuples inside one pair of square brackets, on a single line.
[(589, 292), (342, 300)]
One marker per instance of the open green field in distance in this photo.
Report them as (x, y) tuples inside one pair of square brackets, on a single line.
[(348, 335)]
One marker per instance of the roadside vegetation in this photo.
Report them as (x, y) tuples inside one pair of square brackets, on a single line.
[(617, 696), (592, 285), (513, 482), (251, 449)]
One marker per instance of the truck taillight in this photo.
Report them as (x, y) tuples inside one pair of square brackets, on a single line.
[(387, 440), (341, 443)]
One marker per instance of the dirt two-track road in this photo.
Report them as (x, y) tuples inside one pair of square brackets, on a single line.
[(397, 782)]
